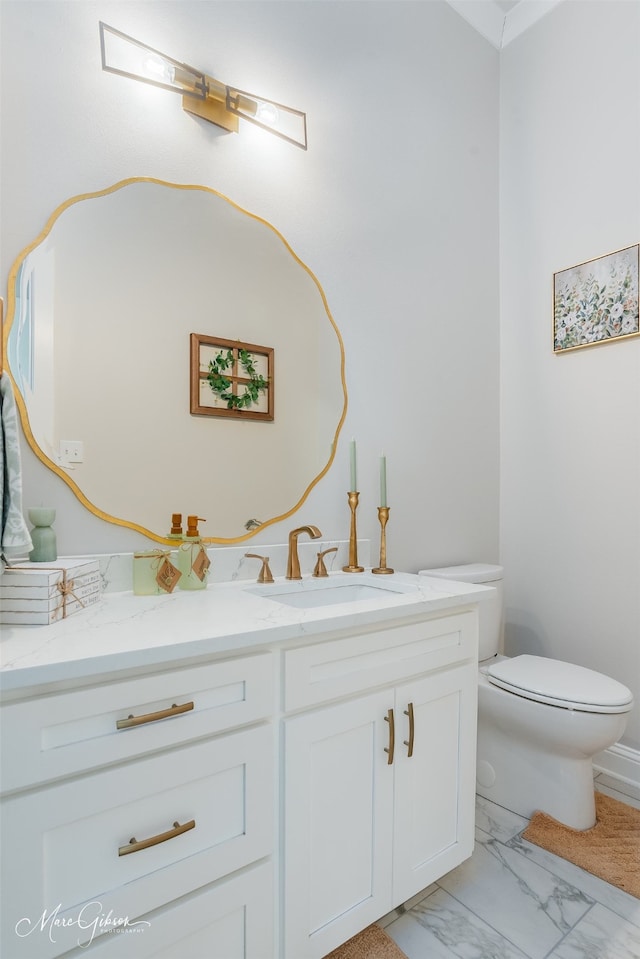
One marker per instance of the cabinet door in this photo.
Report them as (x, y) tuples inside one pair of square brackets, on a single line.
[(338, 815), (435, 786)]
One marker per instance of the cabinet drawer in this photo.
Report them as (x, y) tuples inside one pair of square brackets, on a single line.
[(65, 842), (233, 920), (67, 733), (324, 671)]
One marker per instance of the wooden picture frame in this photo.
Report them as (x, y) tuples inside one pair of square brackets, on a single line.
[(227, 376)]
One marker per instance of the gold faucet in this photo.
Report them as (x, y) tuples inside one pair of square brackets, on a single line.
[(293, 563)]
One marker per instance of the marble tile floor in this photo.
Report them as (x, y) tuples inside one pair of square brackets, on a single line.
[(513, 900)]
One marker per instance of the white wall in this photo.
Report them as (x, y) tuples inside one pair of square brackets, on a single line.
[(570, 430), (394, 208)]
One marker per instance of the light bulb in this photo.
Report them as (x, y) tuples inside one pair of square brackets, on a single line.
[(267, 113), (159, 69)]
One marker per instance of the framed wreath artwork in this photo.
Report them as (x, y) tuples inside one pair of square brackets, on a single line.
[(597, 301), (231, 378)]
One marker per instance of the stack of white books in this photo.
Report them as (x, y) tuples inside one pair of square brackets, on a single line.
[(37, 594)]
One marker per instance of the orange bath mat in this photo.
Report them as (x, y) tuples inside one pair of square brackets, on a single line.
[(371, 943), (610, 850)]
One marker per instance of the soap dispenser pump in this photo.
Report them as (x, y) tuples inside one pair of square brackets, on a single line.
[(193, 561), (176, 527)]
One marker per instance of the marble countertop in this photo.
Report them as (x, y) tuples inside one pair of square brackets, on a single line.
[(128, 632)]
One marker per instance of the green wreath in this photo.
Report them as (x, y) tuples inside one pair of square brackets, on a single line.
[(221, 384)]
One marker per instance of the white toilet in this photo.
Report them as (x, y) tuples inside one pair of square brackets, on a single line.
[(540, 721)]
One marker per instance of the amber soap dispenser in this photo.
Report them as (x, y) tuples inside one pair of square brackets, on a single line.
[(176, 527), (193, 561)]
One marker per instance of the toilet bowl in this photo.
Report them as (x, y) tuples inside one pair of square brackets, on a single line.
[(535, 746), (540, 720)]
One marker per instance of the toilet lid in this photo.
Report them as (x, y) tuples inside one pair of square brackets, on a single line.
[(560, 684)]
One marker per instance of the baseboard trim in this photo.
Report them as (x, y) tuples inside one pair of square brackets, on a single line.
[(620, 762)]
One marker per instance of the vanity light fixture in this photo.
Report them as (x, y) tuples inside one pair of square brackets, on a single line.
[(202, 95)]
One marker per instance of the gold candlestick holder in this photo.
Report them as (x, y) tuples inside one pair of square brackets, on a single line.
[(353, 537), (383, 516)]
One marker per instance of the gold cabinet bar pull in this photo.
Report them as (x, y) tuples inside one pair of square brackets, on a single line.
[(409, 743), (392, 736), (134, 846), (153, 717)]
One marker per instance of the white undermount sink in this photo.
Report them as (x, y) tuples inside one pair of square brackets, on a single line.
[(311, 593)]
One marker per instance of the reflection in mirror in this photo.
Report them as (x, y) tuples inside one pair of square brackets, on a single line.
[(101, 309)]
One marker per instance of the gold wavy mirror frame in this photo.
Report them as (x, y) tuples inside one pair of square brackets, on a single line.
[(100, 310)]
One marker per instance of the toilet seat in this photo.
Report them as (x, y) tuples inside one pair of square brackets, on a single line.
[(560, 684)]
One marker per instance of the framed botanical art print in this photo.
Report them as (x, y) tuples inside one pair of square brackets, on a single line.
[(596, 301)]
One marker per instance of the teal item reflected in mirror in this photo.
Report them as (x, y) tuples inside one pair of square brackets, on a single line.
[(43, 535)]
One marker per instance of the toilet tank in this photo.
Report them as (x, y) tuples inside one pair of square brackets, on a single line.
[(490, 611)]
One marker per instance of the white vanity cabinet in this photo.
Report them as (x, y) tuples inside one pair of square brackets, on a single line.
[(379, 784), (264, 786), (165, 789)]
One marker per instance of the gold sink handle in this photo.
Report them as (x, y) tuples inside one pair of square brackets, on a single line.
[(264, 575), (320, 568)]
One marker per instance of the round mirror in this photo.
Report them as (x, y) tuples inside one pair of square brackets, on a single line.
[(124, 314)]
